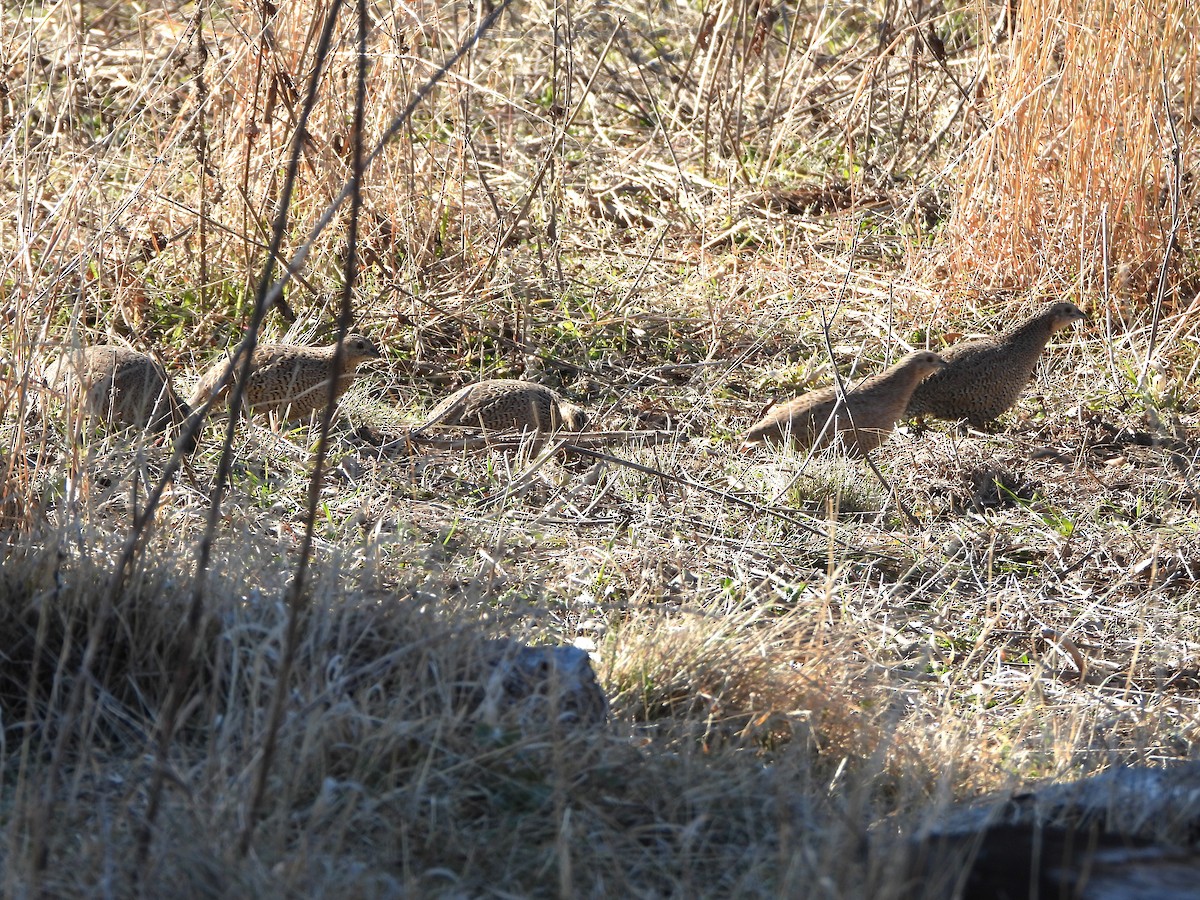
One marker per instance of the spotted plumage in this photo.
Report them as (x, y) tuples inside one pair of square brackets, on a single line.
[(861, 424), (290, 379), (117, 386), (984, 378), (502, 403)]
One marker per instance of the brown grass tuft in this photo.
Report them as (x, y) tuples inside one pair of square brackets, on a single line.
[(1081, 104)]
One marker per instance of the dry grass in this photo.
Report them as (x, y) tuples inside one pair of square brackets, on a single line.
[(1082, 118), (651, 209)]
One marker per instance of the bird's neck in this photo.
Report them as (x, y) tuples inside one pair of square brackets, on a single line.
[(1034, 333)]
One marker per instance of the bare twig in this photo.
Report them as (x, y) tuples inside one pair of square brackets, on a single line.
[(474, 439), (840, 387), (296, 263), (241, 359), (724, 496), (296, 604)]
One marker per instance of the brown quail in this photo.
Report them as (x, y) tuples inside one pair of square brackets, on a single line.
[(504, 403), (984, 378), (863, 423), (288, 378), (119, 386)]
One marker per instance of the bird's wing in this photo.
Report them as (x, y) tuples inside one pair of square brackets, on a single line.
[(451, 408)]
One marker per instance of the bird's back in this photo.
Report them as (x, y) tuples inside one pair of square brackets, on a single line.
[(118, 385), (497, 404), (295, 378), (983, 378), (861, 423), (881, 399), (801, 418), (283, 377)]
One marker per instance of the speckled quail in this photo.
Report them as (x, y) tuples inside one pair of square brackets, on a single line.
[(118, 386), (503, 403), (862, 424), (288, 378), (984, 378)]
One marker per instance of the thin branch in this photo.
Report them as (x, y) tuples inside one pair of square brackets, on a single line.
[(840, 387), (1176, 170), (397, 124), (241, 360), (296, 604)]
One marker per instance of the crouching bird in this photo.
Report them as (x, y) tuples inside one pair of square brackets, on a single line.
[(499, 404), (119, 387)]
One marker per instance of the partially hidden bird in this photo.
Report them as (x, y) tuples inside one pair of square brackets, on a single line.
[(118, 386), (984, 378), (506, 403), (859, 424), (290, 379)]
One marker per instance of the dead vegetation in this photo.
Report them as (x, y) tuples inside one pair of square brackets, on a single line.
[(226, 674)]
